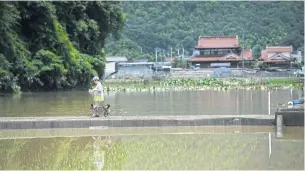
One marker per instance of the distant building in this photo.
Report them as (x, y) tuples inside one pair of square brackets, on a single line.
[(220, 51), (277, 56), (116, 59), (112, 63), (140, 60)]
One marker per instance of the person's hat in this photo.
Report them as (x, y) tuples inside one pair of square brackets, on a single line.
[(95, 78)]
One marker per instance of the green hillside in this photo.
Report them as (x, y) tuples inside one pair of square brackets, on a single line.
[(175, 24), (54, 45)]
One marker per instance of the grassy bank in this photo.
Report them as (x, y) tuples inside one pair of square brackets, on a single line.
[(199, 84)]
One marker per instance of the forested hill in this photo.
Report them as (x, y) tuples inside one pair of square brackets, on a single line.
[(54, 45), (173, 24)]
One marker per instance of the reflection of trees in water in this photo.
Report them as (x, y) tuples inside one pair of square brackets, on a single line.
[(9, 153), (32, 153), (190, 152), (60, 154), (46, 154)]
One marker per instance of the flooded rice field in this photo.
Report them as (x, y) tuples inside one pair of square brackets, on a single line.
[(76, 103), (178, 148), (163, 148)]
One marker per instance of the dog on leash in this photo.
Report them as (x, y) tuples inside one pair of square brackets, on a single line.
[(98, 110)]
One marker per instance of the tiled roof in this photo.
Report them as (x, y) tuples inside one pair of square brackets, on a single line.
[(217, 42), (203, 59), (277, 60), (279, 49), (275, 49), (247, 54)]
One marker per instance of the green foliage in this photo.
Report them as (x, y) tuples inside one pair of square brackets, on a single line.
[(171, 24), (299, 65), (179, 63), (193, 82), (50, 71), (54, 45), (282, 81), (183, 83)]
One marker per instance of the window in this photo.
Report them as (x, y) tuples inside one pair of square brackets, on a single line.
[(201, 52), (196, 52), (207, 52), (220, 51), (213, 51)]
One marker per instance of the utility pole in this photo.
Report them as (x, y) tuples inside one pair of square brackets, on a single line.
[(162, 55), (171, 54), (156, 53), (242, 55)]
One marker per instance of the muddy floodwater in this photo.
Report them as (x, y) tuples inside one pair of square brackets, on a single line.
[(179, 148), (76, 103), (164, 148)]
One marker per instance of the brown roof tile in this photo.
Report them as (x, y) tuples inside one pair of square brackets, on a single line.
[(279, 49), (203, 59), (277, 60), (217, 42), (275, 49), (247, 54)]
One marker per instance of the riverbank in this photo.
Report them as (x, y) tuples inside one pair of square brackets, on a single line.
[(189, 84), (183, 84)]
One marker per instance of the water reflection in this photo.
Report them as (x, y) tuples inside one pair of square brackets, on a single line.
[(218, 150), (100, 146), (147, 103)]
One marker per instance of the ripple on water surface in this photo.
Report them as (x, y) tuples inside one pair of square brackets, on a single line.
[(76, 103), (210, 148)]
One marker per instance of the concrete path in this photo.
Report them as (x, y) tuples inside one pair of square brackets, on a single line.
[(134, 121)]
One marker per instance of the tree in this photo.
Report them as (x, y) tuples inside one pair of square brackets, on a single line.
[(165, 24), (55, 45)]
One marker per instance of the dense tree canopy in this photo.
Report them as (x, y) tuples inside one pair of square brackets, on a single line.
[(151, 25), (48, 45), (54, 45)]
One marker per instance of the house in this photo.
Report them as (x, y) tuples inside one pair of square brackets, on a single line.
[(220, 51), (111, 66), (277, 56)]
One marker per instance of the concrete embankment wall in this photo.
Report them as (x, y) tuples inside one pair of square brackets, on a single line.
[(134, 121), (291, 116)]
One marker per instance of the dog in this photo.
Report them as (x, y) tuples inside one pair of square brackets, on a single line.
[(98, 110)]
